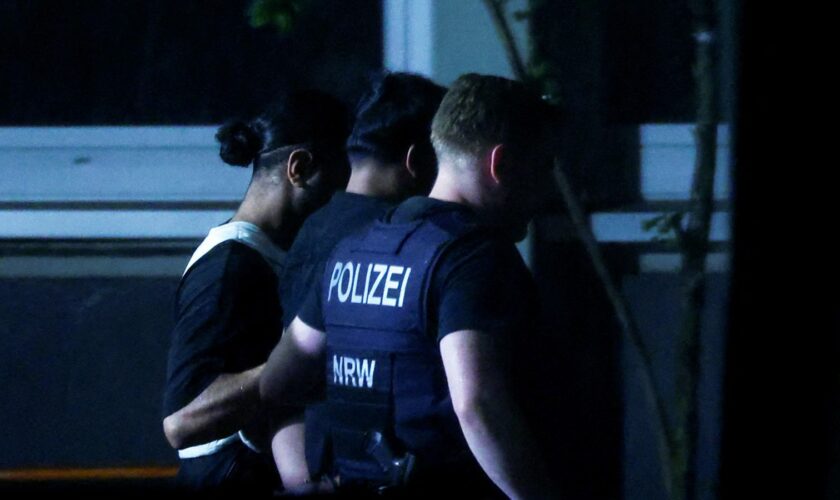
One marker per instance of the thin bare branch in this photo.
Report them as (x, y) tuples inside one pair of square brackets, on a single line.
[(497, 12), (665, 437), (629, 329), (696, 237)]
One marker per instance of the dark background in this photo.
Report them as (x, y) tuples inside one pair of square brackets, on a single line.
[(100, 62), (85, 360)]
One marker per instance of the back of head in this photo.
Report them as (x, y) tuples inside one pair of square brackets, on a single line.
[(311, 119), (495, 140), (481, 111), (395, 114)]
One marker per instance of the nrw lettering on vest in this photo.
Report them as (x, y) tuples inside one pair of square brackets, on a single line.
[(354, 372), (382, 285)]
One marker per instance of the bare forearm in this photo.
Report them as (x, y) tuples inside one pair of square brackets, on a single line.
[(224, 407), (287, 445), (291, 374)]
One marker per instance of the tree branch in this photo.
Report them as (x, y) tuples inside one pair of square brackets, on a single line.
[(665, 437), (694, 252), (497, 13)]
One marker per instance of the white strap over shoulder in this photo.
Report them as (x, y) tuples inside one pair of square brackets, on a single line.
[(245, 233)]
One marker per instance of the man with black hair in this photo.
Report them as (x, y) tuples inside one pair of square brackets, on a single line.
[(391, 159), (227, 307), (419, 320)]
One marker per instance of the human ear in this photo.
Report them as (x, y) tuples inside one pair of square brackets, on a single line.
[(496, 156), (411, 161), (299, 167)]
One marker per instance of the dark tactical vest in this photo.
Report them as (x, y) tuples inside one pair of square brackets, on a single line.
[(387, 394)]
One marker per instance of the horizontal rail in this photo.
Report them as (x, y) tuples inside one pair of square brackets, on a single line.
[(70, 474)]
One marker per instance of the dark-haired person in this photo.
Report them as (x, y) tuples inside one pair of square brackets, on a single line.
[(391, 158), (419, 319), (228, 314)]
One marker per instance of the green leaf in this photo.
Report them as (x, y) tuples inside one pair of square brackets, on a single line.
[(666, 226), (282, 14), (651, 223)]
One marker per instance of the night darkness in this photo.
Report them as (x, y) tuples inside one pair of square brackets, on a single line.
[(149, 62)]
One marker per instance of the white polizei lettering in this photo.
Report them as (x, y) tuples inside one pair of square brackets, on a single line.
[(367, 283), (347, 270), (334, 279), (402, 288), (356, 299), (338, 374), (366, 372), (350, 371), (345, 279), (391, 284), (379, 269)]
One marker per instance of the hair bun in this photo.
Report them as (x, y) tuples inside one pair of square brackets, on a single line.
[(240, 143)]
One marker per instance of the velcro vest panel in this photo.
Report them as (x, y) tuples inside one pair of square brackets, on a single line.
[(384, 370)]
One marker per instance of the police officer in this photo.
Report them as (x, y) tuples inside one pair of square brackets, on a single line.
[(418, 317), (227, 307), (391, 159)]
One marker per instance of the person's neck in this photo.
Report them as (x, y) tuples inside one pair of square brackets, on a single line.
[(271, 215), (464, 186), (372, 178), (449, 186)]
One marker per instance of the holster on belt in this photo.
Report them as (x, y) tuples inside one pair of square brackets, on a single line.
[(398, 468)]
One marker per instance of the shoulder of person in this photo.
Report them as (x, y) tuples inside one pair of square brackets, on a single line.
[(480, 244), (229, 258), (311, 229)]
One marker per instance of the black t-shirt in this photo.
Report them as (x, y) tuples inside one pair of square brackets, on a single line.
[(344, 214), (479, 283), (228, 319)]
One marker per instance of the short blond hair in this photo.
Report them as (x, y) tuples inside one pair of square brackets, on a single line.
[(480, 111)]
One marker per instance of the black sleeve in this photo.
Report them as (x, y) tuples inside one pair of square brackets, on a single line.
[(311, 310), (300, 270), (227, 320), (480, 284)]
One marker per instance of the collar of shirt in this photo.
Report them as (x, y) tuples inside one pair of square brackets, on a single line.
[(418, 207), (345, 199)]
